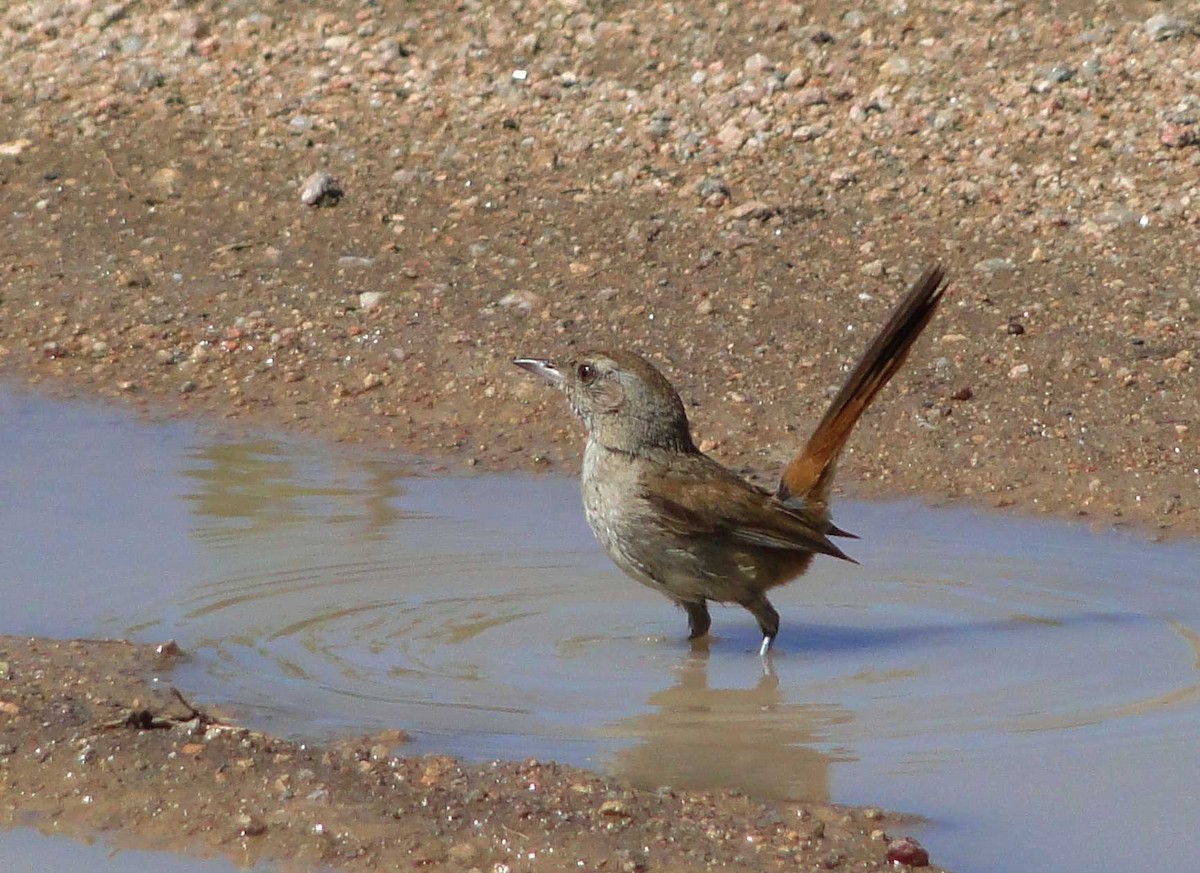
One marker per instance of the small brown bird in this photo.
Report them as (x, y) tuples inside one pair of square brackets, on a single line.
[(679, 522)]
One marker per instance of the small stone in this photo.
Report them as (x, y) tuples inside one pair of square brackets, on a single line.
[(371, 381), (963, 394), (370, 300), (1015, 328), (659, 127), (757, 63), (615, 809), (166, 181), (906, 851), (250, 825), (1163, 26), (14, 147), (843, 176), (895, 67), (355, 261), (711, 186), (731, 136), (874, 269), (754, 209), (809, 132), (320, 189), (1020, 371), (523, 301), (812, 96), (995, 265), (1177, 136), (797, 78)]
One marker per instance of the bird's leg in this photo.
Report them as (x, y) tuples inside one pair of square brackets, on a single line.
[(698, 619), (768, 621), (765, 659)]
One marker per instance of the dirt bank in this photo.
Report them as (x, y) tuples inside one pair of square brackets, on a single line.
[(738, 190)]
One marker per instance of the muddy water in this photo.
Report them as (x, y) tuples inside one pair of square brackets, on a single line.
[(24, 850), (1031, 687)]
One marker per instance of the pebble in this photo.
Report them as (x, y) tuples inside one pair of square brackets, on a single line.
[(995, 265), (907, 852), (1163, 26), (754, 209), (250, 825), (615, 809), (711, 186), (809, 132), (757, 63), (895, 67), (1020, 371), (320, 189), (14, 148), (523, 301), (367, 301)]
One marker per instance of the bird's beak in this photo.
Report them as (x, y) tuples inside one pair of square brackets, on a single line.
[(545, 369)]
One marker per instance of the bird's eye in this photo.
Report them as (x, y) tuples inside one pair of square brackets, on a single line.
[(586, 372)]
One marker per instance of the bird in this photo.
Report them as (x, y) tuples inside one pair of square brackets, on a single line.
[(675, 519)]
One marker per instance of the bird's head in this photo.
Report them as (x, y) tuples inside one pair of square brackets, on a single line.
[(625, 403)]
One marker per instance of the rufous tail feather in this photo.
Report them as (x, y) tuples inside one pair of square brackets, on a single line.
[(809, 474)]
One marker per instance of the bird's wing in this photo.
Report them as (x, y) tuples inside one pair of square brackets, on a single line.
[(703, 499)]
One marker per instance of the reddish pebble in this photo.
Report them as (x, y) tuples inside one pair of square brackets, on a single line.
[(907, 852), (1177, 136)]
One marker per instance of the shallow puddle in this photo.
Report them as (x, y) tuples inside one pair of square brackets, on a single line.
[(25, 850), (1032, 688)]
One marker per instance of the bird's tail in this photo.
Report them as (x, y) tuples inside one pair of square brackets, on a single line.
[(809, 474)]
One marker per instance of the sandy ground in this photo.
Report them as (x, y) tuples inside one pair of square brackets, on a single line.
[(740, 191)]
